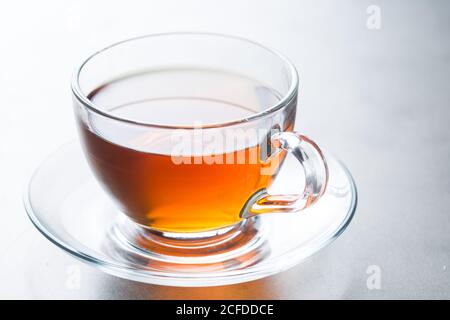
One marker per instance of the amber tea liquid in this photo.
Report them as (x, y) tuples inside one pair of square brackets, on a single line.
[(145, 182)]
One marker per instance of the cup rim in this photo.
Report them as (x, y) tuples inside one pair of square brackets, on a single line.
[(290, 94)]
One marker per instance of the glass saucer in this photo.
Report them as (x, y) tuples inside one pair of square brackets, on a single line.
[(65, 203)]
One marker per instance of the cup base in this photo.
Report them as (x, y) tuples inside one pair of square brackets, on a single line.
[(180, 236), (239, 243)]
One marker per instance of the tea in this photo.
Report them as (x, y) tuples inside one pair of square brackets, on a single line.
[(149, 186)]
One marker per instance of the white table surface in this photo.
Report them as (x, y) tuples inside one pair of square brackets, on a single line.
[(379, 99)]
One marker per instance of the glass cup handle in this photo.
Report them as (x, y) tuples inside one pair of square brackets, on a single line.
[(315, 167)]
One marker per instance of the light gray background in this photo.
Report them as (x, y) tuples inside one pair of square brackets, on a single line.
[(379, 99)]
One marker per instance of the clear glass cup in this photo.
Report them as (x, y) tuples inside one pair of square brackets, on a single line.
[(149, 107)]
